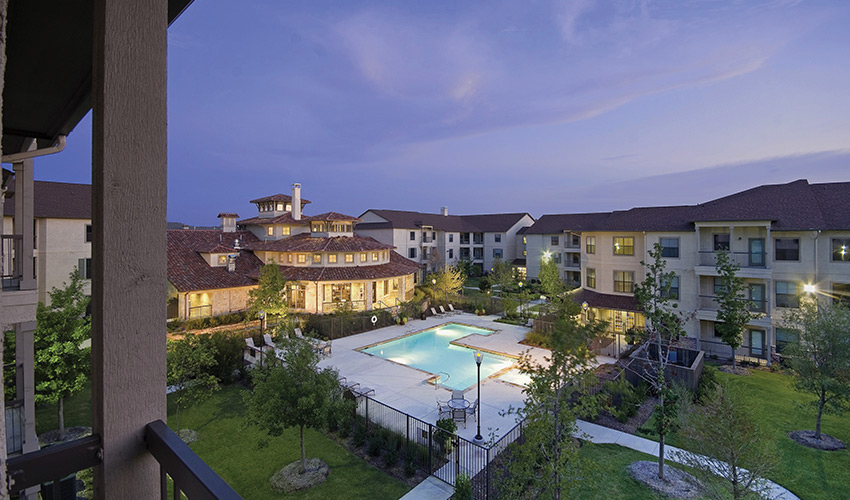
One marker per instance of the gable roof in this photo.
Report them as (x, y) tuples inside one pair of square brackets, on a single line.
[(397, 266), (305, 242), (189, 271), (329, 216), (279, 197), (483, 223), (55, 200)]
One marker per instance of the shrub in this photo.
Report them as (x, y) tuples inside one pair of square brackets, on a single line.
[(463, 487), (390, 458), (374, 445), (624, 399), (707, 384), (228, 354), (510, 308), (360, 433), (409, 466)]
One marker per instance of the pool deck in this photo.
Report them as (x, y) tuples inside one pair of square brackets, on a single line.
[(406, 389)]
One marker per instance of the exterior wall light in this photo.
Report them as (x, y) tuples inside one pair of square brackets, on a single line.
[(809, 288)]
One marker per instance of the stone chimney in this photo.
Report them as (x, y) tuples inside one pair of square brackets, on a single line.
[(231, 262), (444, 211), (296, 201), (228, 222)]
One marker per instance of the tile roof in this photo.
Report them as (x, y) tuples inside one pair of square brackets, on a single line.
[(279, 197), (333, 216), (227, 214), (280, 219), (305, 242), (398, 266), (484, 223), (56, 200), (188, 271), (605, 301)]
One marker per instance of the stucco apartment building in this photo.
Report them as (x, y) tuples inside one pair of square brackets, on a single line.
[(416, 235), (326, 265), (789, 240), (62, 233)]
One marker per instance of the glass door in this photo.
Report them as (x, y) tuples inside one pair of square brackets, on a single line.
[(756, 252), (757, 302), (757, 343)]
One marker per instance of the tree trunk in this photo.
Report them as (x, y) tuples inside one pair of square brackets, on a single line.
[(661, 456), (303, 453), (177, 415), (61, 411), (821, 403)]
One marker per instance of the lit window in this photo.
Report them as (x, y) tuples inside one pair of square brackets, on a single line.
[(317, 258), (590, 245), (374, 256), (280, 207), (332, 258), (289, 258), (362, 257), (624, 245), (524, 240), (841, 249), (284, 230), (222, 259), (349, 257), (288, 207), (270, 230), (302, 258), (524, 253), (624, 281)]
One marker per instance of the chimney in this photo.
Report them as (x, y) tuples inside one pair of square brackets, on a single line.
[(296, 201), (231, 263), (228, 222), (444, 211)]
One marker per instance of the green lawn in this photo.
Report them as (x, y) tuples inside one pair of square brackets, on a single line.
[(77, 412), (808, 473)]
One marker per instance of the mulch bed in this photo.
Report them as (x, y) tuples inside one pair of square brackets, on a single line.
[(71, 433), (825, 443), (676, 483), (631, 426), (397, 470), (739, 370)]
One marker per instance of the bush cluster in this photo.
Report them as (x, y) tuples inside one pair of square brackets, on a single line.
[(208, 322), (623, 399)]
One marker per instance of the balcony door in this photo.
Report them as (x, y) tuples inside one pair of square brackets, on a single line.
[(757, 343), (756, 252)]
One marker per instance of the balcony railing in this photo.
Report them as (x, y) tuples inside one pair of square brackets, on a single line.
[(200, 311), (14, 426), (189, 474), (742, 259), (709, 303), (427, 238), (11, 265), (334, 306)]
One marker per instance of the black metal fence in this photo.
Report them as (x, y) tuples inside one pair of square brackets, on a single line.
[(722, 350), (429, 448)]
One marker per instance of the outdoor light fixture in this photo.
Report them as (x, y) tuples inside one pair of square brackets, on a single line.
[(809, 288), (546, 255), (479, 356)]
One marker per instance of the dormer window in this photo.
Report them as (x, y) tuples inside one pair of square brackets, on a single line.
[(302, 258), (349, 257), (284, 230), (222, 260), (280, 207), (332, 258), (288, 207), (317, 258), (270, 230), (374, 256)]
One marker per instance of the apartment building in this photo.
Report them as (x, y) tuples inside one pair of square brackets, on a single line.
[(790, 240), (437, 239), (62, 233), (326, 265)]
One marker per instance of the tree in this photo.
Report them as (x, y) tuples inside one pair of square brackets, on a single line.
[(270, 294), (190, 363), (726, 430), (501, 274), (550, 279), (448, 281), (663, 326), (733, 313), (62, 363), (548, 463), (820, 359), (294, 394), (435, 260)]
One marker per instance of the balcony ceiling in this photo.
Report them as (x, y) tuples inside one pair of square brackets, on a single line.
[(49, 68)]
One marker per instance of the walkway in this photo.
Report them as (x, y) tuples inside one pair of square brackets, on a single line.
[(434, 489)]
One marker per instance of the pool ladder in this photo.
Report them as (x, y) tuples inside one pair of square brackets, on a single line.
[(439, 378)]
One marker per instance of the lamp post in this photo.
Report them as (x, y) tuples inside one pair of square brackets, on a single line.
[(262, 316), (434, 287), (478, 358), (521, 297)]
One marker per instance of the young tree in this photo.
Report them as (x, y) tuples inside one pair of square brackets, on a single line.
[(448, 281), (501, 274), (739, 448), (294, 394), (550, 280), (190, 363), (548, 463), (62, 365), (663, 326), (270, 294), (820, 359), (435, 260), (734, 308)]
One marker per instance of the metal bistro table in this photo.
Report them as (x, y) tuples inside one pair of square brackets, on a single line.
[(459, 406)]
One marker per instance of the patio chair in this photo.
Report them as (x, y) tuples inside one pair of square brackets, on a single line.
[(299, 335), (443, 311), (453, 310), (457, 394), (472, 410), (253, 347), (268, 340), (435, 313), (443, 410), (362, 391)]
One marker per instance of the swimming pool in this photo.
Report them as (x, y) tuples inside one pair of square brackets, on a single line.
[(431, 350)]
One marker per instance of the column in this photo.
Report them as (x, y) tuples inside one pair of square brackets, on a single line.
[(24, 215), (129, 248)]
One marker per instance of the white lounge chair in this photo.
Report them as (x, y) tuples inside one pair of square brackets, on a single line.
[(435, 313), (299, 335), (268, 340), (453, 310), (362, 391), (443, 311)]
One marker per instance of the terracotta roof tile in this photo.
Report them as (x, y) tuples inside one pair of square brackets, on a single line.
[(605, 301), (188, 271), (280, 219), (304, 242), (398, 266), (227, 214), (279, 197), (333, 216)]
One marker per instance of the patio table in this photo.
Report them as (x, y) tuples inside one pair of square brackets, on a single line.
[(459, 406)]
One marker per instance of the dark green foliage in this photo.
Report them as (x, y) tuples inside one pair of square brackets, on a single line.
[(707, 384), (390, 457), (208, 322), (484, 283), (624, 399), (375, 445), (190, 363), (734, 310), (409, 466), (270, 294), (463, 487), (227, 352)]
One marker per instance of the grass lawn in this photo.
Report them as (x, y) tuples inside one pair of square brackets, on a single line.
[(77, 412), (808, 473)]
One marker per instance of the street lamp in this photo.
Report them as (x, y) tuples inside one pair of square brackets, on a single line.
[(478, 358), (521, 297)]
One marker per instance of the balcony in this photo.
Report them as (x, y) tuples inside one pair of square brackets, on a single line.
[(427, 238), (709, 303), (752, 264), (189, 474), (11, 265)]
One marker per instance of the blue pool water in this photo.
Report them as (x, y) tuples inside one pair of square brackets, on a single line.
[(430, 350)]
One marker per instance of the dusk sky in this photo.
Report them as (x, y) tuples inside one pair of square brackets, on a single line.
[(537, 106)]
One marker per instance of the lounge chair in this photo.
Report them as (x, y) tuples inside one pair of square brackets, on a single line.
[(453, 310), (268, 340), (362, 391), (472, 410), (435, 313), (253, 347), (299, 335), (443, 311)]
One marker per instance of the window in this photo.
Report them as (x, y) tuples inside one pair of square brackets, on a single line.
[(524, 240), (556, 257), (349, 258), (413, 236), (478, 253), (363, 257), (716, 331), (757, 343), (841, 293), (669, 247), (721, 241), (718, 286), (222, 259), (787, 294), (84, 268), (554, 241), (451, 253), (451, 238), (757, 298), (332, 258), (284, 230), (464, 253), (464, 238), (317, 258), (590, 244), (338, 292), (477, 238), (280, 207), (289, 258), (302, 258), (88, 233), (590, 278), (270, 230), (624, 281), (288, 207), (624, 245), (841, 249), (784, 337), (411, 253), (498, 238), (787, 248), (497, 253), (297, 296), (375, 257), (673, 292)]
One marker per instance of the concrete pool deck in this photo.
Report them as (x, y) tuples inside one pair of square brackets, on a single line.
[(408, 390)]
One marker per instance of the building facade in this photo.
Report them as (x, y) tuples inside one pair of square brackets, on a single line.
[(438, 239)]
